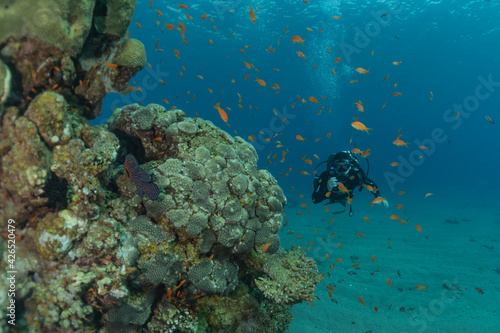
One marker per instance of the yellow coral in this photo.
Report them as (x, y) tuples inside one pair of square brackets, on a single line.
[(133, 54), (291, 278)]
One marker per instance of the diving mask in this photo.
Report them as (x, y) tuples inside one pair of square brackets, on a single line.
[(342, 166)]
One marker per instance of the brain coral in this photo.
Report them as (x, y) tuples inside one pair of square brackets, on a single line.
[(133, 54)]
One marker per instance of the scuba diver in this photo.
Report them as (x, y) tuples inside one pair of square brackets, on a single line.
[(342, 175)]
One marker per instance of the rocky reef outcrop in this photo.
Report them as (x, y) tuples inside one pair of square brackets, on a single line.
[(75, 48), (155, 222)]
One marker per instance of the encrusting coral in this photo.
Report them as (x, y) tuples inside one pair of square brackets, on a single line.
[(170, 242), (291, 277)]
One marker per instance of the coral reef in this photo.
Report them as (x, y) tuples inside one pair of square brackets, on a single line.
[(170, 240), (62, 23), (113, 16), (53, 45), (291, 278)]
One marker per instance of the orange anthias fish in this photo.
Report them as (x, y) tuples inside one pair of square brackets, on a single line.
[(356, 151), (261, 82), (299, 137), (343, 188), (360, 106), (396, 63), (377, 201), (264, 249), (298, 39), (428, 194), (418, 227), (111, 65), (301, 55), (397, 93), (394, 217), (336, 61), (128, 90), (222, 113), (366, 152), (360, 126), (362, 70), (398, 142), (181, 26), (313, 99), (361, 300), (420, 287), (252, 15)]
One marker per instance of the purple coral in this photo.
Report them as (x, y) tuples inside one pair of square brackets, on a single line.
[(140, 178)]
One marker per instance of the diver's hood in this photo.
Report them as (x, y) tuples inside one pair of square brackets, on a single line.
[(341, 156)]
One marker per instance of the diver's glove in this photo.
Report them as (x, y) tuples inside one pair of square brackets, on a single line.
[(331, 184), (385, 203)]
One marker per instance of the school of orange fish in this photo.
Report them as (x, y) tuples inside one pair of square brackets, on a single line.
[(183, 27)]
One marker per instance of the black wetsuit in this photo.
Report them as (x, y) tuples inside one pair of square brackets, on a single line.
[(354, 178)]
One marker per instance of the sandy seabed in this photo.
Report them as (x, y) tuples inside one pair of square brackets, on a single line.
[(457, 251)]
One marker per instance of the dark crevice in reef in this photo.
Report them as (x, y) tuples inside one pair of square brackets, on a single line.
[(56, 190)]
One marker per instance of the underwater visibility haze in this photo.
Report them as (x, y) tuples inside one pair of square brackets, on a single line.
[(249, 166)]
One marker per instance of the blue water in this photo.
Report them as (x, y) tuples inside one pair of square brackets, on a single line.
[(447, 47), (444, 48)]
